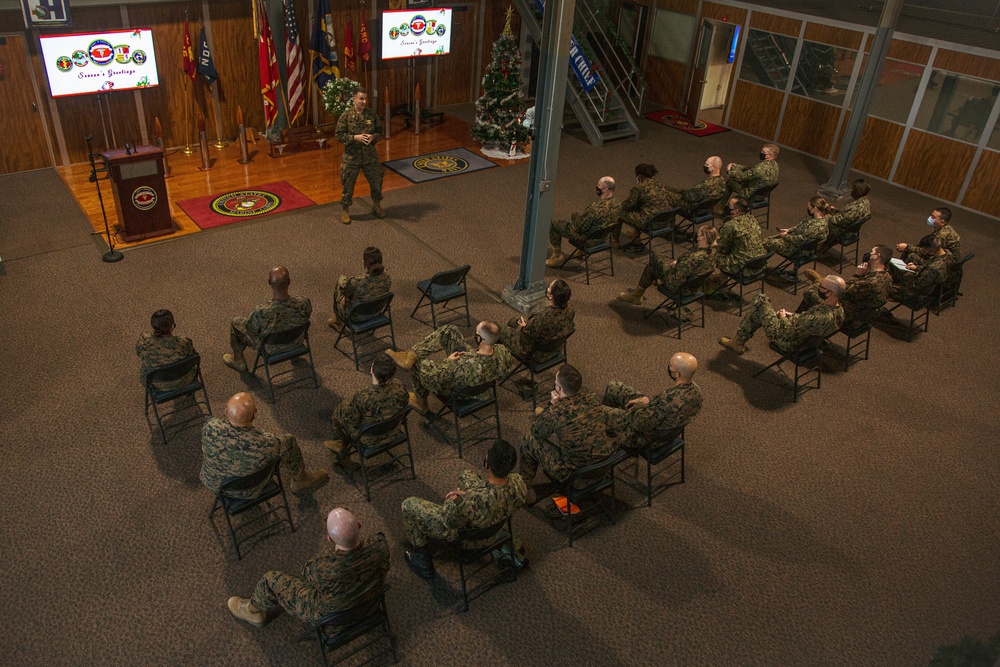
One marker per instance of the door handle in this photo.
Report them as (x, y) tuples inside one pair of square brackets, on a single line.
[(34, 107)]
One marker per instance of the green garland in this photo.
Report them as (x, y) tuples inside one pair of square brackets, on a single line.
[(338, 95)]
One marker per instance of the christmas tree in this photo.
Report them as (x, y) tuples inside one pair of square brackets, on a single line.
[(500, 111)]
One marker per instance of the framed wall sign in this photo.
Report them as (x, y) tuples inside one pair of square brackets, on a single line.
[(46, 13)]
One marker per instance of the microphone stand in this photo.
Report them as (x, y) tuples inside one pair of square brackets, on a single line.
[(111, 255)]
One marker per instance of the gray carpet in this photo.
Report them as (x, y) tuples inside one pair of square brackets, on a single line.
[(857, 527)]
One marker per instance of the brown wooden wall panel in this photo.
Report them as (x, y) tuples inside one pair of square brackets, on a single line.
[(21, 132), (877, 148), (828, 34), (985, 184), (966, 63), (942, 176), (773, 23), (755, 109), (911, 52), (454, 72), (666, 81), (679, 6), (713, 10), (809, 125)]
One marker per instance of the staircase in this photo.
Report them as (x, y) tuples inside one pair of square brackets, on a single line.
[(612, 108)]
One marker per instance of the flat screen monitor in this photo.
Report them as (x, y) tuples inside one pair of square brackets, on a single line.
[(99, 62), (414, 33)]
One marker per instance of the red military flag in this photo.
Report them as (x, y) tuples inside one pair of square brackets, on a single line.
[(295, 68), (268, 60), (188, 62), (364, 44), (349, 48)]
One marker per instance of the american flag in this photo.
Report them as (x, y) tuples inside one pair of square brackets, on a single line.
[(296, 70)]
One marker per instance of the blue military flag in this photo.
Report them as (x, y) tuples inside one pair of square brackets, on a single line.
[(323, 46), (206, 66)]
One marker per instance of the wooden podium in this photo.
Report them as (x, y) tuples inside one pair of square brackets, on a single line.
[(140, 192)]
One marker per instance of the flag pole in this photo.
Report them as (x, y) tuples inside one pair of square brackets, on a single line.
[(220, 144), (187, 150)]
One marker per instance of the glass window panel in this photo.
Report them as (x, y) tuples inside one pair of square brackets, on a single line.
[(994, 142), (672, 34), (767, 59), (956, 105), (824, 72), (895, 91)]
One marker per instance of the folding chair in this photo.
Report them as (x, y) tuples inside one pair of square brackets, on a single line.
[(702, 212), (234, 505), (343, 628), (367, 317), (753, 270), (380, 430), (949, 293), (466, 401), (800, 255), (292, 349), (810, 351), (585, 484), (545, 354), (859, 338), (173, 372), (690, 292), (441, 288), (920, 311), (760, 200), (848, 237), (658, 448), (660, 225), (595, 242), (492, 540)]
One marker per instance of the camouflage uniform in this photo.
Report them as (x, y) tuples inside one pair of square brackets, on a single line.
[(713, 187), (443, 377), (358, 288), (275, 315), (950, 241), (739, 242), (155, 351), (792, 331), (743, 181), (644, 199), (567, 435), (697, 262), (673, 408), (808, 230), (328, 584), (603, 213), (914, 285), (851, 212), (549, 323), (372, 404), (483, 505), (861, 300), (359, 156), (236, 451)]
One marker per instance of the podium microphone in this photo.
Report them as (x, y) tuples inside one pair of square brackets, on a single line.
[(111, 255)]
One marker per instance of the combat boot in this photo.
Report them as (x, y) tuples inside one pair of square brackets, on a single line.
[(335, 323), (335, 446), (307, 480), (404, 359), (377, 209), (238, 364), (633, 295), (419, 560), (813, 275), (419, 403), (244, 610), (733, 344), (345, 215)]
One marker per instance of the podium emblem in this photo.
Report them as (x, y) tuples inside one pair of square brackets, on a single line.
[(144, 198)]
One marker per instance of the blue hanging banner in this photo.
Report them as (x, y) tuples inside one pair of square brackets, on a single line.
[(577, 61), (45, 13)]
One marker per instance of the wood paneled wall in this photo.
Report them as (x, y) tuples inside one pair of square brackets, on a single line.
[(879, 143), (828, 34), (713, 10), (966, 63), (809, 125), (755, 109), (773, 23), (909, 51), (679, 6), (666, 81), (982, 192), (942, 176)]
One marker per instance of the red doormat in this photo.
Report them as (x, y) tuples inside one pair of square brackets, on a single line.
[(679, 121), (217, 210)]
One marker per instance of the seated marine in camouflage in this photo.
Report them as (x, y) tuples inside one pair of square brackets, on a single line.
[(866, 292), (739, 237), (554, 321), (234, 447), (790, 330), (602, 214), (281, 313), (373, 284), (744, 181), (384, 398), (919, 280), (812, 228), (162, 348), (696, 262), (636, 418), (859, 207), (351, 575), (647, 196), (569, 433), (950, 240), (464, 365), (475, 503)]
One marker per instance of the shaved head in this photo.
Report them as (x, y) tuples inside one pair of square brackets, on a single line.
[(835, 284), (714, 162), (685, 365), (607, 182), (278, 277), (343, 528), (241, 409)]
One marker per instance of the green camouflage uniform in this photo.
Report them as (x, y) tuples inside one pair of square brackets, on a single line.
[(155, 351), (603, 213), (861, 301), (358, 288), (549, 323), (739, 242), (372, 404), (950, 241), (569, 434), (236, 451), (697, 262), (713, 187), (808, 230), (644, 199), (911, 285), (673, 408), (792, 331), (359, 156), (328, 584), (268, 318), (483, 505), (851, 212), (743, 181), (443, 377)]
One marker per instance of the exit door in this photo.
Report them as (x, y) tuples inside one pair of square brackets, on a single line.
[(713, 69), (22, 132)]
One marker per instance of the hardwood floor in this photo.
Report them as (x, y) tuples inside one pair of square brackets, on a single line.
[(313, 173)]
